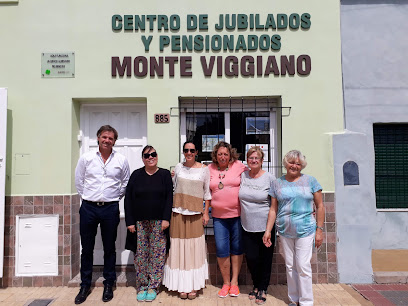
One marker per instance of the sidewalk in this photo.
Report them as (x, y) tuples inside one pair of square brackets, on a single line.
[(325, 294)]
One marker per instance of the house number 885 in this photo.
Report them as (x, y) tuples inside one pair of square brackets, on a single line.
[(162, 118)]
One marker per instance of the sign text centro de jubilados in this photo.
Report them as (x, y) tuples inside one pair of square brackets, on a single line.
[(263, 39)]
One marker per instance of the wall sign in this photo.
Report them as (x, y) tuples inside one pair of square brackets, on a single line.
[(266, 36), (161, 118), (58, 65)]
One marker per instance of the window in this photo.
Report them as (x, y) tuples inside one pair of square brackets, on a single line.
[(391, 165), (241, 121)]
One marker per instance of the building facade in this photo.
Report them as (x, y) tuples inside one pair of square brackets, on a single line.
[(160, 73)]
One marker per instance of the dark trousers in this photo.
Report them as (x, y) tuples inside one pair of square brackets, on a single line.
[(258, 258), (108, 217)]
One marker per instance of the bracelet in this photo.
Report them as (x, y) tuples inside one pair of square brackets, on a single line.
[(319, 227)]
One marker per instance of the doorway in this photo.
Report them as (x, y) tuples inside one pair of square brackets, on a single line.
[(130, 121)]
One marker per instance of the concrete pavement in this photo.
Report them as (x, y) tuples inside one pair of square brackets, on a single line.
[(325, 294)]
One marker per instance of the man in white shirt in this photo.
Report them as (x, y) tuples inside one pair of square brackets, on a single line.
[(100, 177)]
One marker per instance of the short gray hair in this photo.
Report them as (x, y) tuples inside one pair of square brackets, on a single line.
[(294, 154)]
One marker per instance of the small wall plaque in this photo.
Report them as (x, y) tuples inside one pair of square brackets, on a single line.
[(161, 118), (58, 65), (350, 173)]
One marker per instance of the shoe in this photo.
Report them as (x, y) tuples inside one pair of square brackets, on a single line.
[(192, 295), (82, 295), (224, 291), (252, 295), (141, 296), (107, 293), (183, 295), (261, 297), (151, 295), (234, 290), (292, 304)]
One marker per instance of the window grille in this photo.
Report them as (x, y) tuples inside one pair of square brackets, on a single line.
[(241, 121), (391, 165), (248, 120)]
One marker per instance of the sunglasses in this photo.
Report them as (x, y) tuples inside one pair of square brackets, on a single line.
[(147, 155), (191, 150)]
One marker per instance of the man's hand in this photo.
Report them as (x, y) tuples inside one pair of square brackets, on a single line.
[(131, 228), (165, 224)]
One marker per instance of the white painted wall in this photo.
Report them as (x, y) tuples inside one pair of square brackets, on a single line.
[(375, 76)]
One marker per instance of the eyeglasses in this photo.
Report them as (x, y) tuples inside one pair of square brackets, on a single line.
[(191, 150), (147, 155), (254, 158)]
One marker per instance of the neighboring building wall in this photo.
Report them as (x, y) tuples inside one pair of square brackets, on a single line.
[(375, 76)]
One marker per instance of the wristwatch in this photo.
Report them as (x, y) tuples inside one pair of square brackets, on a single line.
[(319, 227)]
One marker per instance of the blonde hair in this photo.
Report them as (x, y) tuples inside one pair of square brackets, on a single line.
[(257, 150), (295, 154)]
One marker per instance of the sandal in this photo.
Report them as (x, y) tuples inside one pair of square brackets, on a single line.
[(260, 299), (183, 295), (252, 295), (192, 295)]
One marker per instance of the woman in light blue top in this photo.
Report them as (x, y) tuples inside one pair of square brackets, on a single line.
[(292, 198)]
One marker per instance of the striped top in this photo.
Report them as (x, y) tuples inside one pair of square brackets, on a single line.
[(191, 187)]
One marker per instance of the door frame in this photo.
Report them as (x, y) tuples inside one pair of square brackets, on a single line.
[(85, 108), (3, 143)]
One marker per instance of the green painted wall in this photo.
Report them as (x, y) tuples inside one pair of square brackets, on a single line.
[(44, 113)]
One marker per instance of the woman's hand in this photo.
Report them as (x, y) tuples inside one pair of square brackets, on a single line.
[(131, 228), (206, 218), (318, 199), (271, 221), (172, 173), (267, 239), (165, 224), (318, 238)]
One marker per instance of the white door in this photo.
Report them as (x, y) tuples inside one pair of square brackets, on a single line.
[(131, 123), (3, 136)]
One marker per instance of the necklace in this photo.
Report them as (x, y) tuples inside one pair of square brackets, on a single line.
[(221, 176)]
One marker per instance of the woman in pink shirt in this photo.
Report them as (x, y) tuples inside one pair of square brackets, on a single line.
[(225, 178)]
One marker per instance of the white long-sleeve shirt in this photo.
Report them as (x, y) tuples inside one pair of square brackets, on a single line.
[(98, 181)]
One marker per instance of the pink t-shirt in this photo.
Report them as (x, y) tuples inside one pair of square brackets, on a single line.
[(225, 202)]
